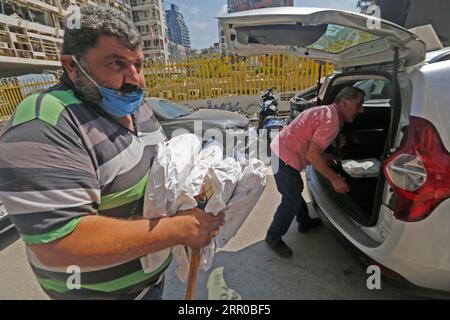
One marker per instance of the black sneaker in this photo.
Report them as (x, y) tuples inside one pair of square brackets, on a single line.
[(311, 224), (279, 247)]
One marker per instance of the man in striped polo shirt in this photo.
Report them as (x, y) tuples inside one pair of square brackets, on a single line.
[(73, 169)]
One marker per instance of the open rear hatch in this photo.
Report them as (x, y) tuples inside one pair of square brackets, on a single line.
[(344, 38)]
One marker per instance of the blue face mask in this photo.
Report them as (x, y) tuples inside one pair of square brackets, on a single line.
[(115, 102)]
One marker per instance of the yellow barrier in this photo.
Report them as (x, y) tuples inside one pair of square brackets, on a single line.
[(202, 77), (12, 92), (10, 97), (217, 76)]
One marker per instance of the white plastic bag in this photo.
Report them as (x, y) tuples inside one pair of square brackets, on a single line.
[(166, 193), (249, 189), (364, 168), (176, 177), (211, 155), (223, 178)]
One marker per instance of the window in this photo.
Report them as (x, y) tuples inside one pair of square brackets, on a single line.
[(144, 30), (147, 44), (140, 15), (142, 2), (375, 89), (42, 17), (338, 38)]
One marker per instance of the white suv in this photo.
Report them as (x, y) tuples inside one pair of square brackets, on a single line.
[(398, 219)]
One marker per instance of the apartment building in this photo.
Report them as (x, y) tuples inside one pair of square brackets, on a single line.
[(31, 31), (178, 30), (177, 51), (30, 36), (149, 17)]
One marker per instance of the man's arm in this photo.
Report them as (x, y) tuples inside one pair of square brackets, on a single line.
[(98, 240), (319, 162)]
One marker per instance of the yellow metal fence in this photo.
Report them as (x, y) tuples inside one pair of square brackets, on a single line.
[(12, 92), (203, 77), (218, 76)]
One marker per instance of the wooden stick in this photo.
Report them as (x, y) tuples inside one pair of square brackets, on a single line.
[(192, 279)]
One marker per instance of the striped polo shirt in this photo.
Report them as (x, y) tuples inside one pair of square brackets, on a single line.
[(62, 158)]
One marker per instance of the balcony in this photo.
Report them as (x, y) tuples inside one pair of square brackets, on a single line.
[(49, 5), (144, 3)]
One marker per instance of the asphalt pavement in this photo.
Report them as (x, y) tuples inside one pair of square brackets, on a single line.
[(245, 268)]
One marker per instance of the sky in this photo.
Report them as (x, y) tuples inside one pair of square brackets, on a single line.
[(200, 16)]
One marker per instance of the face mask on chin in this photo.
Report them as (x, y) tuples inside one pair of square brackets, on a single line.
[(114, 102)]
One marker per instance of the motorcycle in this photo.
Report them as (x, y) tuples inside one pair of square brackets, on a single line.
[(268, 111), (269, 122), (268, 126)]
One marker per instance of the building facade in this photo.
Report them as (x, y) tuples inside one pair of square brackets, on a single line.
[(31, 31), (177, 51), (222, 39), (178, 30), (149, 18), (241, 5)]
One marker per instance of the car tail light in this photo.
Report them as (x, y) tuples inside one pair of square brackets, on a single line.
[(419, 172)]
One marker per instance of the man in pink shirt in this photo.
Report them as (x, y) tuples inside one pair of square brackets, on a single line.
[(301, 143)]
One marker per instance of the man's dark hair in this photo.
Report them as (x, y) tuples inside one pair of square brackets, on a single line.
[(95, 22), (350, 93)]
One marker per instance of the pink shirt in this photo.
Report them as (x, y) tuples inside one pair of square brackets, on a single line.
[(319, 124)]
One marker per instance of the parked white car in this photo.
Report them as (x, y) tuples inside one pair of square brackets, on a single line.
[(398, 219)]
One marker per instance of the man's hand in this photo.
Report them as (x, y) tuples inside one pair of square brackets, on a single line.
[(331, 159), (339, 185), (201, 227)]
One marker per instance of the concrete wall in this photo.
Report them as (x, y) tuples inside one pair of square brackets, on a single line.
[(248, 104)]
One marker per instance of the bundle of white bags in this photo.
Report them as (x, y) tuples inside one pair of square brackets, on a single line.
[(180, 169)]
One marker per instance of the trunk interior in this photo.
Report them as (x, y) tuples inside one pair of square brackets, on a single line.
[(365, 138)]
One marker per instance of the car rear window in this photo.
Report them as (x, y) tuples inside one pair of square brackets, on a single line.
[(172, 110), (338, 38)]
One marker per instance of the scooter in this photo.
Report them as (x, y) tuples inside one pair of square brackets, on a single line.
[(268, 111), (269, 122)]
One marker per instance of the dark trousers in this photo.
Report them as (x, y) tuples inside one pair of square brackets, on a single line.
[(290, 185)]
